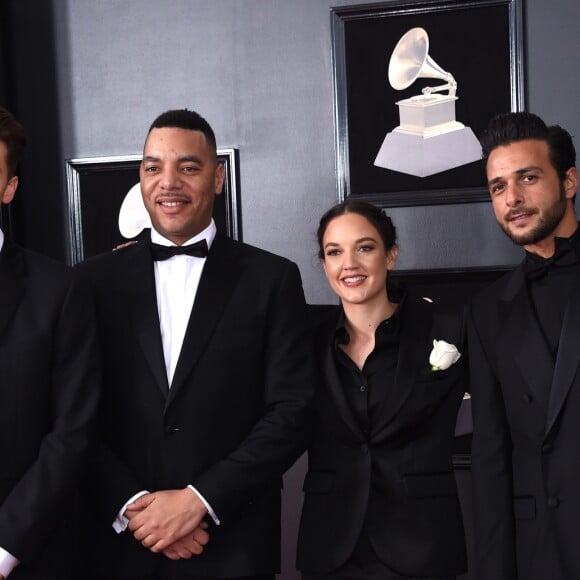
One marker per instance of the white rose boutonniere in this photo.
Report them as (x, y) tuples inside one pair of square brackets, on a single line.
[(443, 355)]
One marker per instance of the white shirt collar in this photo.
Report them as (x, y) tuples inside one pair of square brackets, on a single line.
[(208, 234), (1, 240)]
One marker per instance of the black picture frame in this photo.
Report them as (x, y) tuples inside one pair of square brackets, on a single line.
[(96, 187), (479, 41)]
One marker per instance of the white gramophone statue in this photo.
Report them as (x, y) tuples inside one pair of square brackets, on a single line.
[(133, 216), (429, 139)]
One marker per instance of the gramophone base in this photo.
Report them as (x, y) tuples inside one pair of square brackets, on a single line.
[(427, 113), (424, 156)]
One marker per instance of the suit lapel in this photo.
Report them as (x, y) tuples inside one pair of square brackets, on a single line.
[(218, 280), (568, 356), (413, 356), (141, 303), (11, 283), (524, 338)]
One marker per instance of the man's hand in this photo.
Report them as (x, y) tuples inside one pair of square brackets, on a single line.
[(164, 517), (131, 513), (188, 546), (118, 247)]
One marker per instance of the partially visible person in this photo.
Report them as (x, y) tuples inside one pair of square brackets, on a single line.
[(380, 494), (524, 355), (49, 385), (208, 382)]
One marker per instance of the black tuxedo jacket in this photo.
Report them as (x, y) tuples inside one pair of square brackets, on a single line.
[(48, 400), (526, 407), (398, 482), (233, 421)]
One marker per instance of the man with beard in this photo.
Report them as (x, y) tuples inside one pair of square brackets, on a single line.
[(524, 357)]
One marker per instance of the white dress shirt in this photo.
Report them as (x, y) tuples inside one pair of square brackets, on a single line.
[(176, 283), (7, 561)]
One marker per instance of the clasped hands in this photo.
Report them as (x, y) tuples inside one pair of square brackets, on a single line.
[(170, 522)]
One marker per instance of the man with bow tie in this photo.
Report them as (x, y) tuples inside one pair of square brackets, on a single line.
[(208, 378), (524, 356)]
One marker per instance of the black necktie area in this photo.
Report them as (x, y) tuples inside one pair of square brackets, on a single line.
[(535, 266), (160, 253)]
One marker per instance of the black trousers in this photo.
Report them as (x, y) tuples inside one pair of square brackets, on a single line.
[(364, 564)]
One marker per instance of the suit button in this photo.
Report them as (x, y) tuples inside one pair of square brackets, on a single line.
[(553, 502), (172, 429), (547, 448), (362, 389), (528, 398)]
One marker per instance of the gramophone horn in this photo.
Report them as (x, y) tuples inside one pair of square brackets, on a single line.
[(410, 60), (133, 216)]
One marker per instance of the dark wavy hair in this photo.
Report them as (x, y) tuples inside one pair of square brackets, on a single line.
[(375, 215), (13, 135), (512, 127)]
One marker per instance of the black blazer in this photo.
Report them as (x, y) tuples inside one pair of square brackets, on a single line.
[(233, 421), (398, 482), (48, 401), (526, 408)]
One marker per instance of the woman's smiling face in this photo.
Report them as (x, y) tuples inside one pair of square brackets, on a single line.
[(355, 260)]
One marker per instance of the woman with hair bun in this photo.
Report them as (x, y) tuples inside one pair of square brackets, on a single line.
[(380, 494)]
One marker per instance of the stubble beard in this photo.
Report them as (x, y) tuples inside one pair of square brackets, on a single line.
[(547, 223)]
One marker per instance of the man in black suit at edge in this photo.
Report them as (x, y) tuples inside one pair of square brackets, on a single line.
[(208, 380), (49, 380), (524, 356)]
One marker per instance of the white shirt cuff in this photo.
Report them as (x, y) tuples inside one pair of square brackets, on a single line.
[(7, 562), (121, 522), (212, 514)]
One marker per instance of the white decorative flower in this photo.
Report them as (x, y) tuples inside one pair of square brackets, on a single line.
[(443, 355)]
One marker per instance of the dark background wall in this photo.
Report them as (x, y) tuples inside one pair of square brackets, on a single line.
[(28, 73), (88, 76)]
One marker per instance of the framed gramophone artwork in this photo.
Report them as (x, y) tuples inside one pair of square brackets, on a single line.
[(415, 84), (98, 187)]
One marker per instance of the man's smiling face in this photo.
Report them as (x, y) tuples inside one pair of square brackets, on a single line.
[(179, 177)]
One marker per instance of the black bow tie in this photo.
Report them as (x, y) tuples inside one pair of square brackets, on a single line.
[(160, 253), (535, 266)]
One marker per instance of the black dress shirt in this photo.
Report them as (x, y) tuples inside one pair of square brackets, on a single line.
[(367, 390), (550, 292)]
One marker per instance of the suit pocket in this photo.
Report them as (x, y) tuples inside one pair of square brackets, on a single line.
[(430, 485), (318, 481), (525, 508)]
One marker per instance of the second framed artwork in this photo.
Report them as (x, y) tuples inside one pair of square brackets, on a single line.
[(97, 187), (478, 41)]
